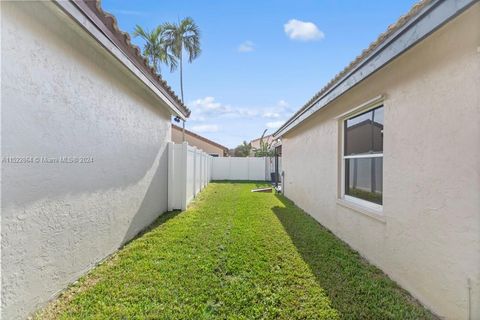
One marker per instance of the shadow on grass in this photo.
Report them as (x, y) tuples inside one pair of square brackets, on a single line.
[(257, 183), (158, 222), (357, 289), (242, 181)]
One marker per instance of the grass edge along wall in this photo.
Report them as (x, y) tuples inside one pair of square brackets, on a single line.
[(426, 235)]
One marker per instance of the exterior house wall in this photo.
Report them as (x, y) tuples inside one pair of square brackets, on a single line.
[(63, 95), (196, 142), (428, 239)]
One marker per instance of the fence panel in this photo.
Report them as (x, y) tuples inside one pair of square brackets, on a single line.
[(220, 168), (188, 174), (190, 171), (204, 170), (238, 168), (257, 168)]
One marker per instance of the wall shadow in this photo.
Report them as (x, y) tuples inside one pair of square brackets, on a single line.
[(257, 183), (162, 218), (357, 289), (241, 181), (154, 202)]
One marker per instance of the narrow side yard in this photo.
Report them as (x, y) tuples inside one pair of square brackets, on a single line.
[(236, 255)]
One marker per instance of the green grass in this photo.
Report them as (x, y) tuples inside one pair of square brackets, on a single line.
[(236, 255)]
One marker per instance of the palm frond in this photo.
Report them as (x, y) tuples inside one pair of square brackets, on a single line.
[(156, 48)]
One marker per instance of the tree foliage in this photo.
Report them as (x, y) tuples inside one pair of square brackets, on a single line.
[(168, 42), (243, 150), (180, 37), (265, 149), (155, 48)]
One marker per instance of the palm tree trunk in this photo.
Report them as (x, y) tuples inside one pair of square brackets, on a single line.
[(181, 90), (181, 75), (155, 65)]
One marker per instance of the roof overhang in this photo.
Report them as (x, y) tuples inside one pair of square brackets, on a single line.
[(195, 135), (430, 18), (81, 13)]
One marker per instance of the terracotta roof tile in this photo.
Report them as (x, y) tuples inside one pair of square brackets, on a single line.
[(123, 40)]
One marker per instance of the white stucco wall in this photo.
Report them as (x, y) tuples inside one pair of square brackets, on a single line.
[(63, 95), (430, 240)]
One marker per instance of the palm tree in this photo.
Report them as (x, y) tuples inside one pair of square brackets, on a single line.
[(182, 36), (155, 48)]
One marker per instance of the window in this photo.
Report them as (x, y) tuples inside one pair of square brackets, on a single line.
[(363, 157)]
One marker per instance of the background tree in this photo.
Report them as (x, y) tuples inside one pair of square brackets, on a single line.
[(265, 149), (155, 48), (243, 150), (180, 37)]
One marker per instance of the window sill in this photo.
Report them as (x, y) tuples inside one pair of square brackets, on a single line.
[(369, 212)]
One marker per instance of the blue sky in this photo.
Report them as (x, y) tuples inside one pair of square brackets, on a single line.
[(261, 60)]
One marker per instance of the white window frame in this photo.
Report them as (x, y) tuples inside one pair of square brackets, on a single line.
[(357, 202)]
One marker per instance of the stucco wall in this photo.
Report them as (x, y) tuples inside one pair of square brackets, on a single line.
[(196, 142), (256, 143), (429, 242), (64, 95)]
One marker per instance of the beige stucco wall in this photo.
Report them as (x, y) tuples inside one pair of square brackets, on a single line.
[(430, 240), (64, 95), (196, 142), (256, 143)]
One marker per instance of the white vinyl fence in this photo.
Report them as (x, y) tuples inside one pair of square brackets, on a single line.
[(237, 168), (189, 171)]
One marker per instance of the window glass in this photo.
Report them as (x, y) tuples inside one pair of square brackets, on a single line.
[(377, 121), (364, 178), (364, 133)]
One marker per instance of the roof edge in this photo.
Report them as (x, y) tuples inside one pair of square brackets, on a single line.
[(264, 137), (106, 25), (426, 16), (201, 137)]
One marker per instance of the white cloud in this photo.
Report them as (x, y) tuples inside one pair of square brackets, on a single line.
[(302, 30), (205, 128), (275, 124), (272, 115), (230, 125), (279, 111), (208, 107), (247, 46), (207, 103), (282, 103)]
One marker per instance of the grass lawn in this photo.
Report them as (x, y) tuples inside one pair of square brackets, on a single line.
[(236, 255)]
